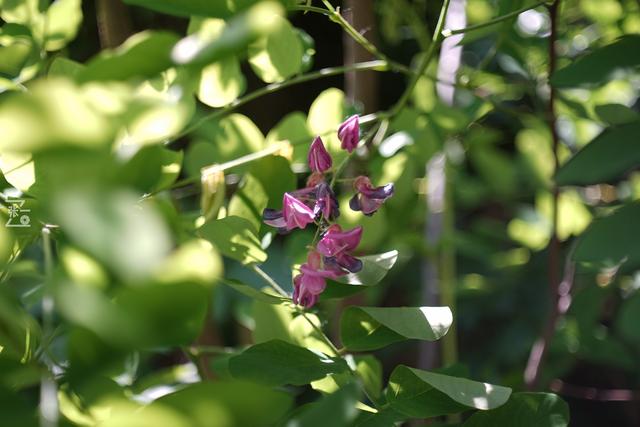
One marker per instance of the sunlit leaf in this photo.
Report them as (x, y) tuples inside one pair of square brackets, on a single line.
[(374, 268), (277, 55), (369, 328), (233, 237)]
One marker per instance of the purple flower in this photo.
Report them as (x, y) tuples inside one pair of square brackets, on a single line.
[(349, 133), (295, 214), (302, 207), (319, 159), (336, 246), (311, 281), (368, 198)]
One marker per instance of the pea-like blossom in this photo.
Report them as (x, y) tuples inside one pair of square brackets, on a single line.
[(336, 245), (319, 158), (368, 199), (311, 281), (349, 133), (302, 207)]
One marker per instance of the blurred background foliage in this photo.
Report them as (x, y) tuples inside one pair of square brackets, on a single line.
[(109, 112)]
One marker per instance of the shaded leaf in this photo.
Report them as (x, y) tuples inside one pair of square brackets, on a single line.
[(616, 114), (336, 409), (424, 394), (277, 362), (525, 410), (611, 154), (602, 64), (254, 293)]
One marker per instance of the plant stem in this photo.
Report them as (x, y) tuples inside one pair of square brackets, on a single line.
[(322, 335), (424, 62), (48, 387), (497, 20), (377, 65), (269, 280), (313, 9), (540, 347)]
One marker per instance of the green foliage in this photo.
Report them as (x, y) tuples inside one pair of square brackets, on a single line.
[(525, 409)]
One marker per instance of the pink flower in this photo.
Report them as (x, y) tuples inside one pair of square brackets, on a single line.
[(295, 214), (319, 159), (311, 281), (336, 246), (302, 207), (368, 198), (349, 133)]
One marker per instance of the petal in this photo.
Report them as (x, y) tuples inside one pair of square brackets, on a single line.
[(349, 262), (273, 218), (354, 203), (318, 158), (296, 214)]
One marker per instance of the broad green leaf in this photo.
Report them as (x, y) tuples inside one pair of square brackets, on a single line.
[(384, 418), (293, 129), (16, 410), (14, 56), (611, 154), (274, 184), (143, 55), (612, 239), (254, 293), (337, 410), (278, 55), (232, 137), (326, 114), (221, 82), (20, 11), (249, 201), (287, 364), (171, 314), (424, 394), (369, 369), (65, 67), (233, 237), (18, 170), (369, 328), (187, 8), (240, 31), (227, 403), (602, 64), (19, 332), (616, 114), (525, 410), (53, 112), (63, 19), (194, 261), (628, 319), (374, 268), (115, 228)]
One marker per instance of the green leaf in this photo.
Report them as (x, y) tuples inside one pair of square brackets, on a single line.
[(199, 50), (129, 237), (525, 410), (602, 64), (249, 201), (14, 56), (628, 319), (336, 409), (143, 55), (233, 238), (293, 129), (53, 112), (611, 154), (374, 269), (65, 67), (186, 8), (326, 114), (423, 394), (616, 114), (277, 363), (277, 55), (221, 83), (369, 369), (369, 328), (254, 293), (227, 403), (612, 239), (63, 20), (274, 184)]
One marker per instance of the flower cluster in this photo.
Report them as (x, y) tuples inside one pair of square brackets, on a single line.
[(316, 203)]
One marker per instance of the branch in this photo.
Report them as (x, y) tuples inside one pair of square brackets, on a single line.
[(449, 33), (424, 63)]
